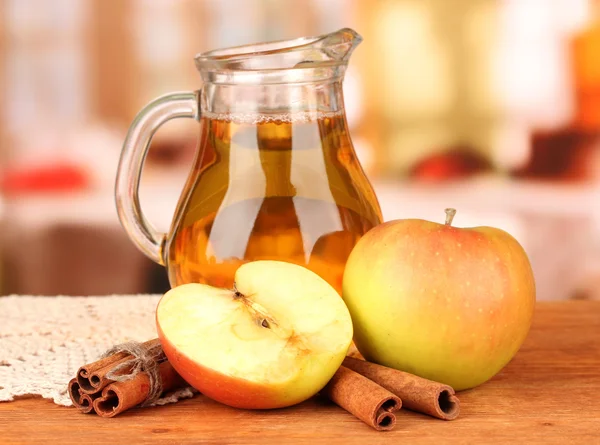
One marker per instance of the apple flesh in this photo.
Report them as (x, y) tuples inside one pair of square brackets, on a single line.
[(449, 304), (273, 341)]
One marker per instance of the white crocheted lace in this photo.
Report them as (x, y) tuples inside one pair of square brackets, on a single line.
[(44, 340)]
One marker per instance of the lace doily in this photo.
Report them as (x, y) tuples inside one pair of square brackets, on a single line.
[(44, 340)]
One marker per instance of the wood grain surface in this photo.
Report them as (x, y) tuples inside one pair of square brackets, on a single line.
[(550, 393)]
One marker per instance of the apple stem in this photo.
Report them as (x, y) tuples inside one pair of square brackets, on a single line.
[(450, 216)]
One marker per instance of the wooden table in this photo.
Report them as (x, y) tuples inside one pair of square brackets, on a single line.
[(550, 393)]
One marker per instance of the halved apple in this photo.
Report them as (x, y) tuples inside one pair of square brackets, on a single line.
[(275, 340)]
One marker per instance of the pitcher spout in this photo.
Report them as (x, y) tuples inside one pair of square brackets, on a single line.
[(339, 45)]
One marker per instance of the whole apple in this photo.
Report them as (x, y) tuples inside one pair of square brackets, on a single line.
[(449, 304)]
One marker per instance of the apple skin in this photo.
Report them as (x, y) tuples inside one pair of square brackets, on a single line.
[(449, 304)]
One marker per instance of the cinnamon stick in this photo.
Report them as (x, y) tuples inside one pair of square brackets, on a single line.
[(121, 396), (83, 402), (92, 377), (417, 394), (363, 398)]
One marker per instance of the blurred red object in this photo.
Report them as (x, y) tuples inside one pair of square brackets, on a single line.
[(459, 162), (566, 154), (44, 179)]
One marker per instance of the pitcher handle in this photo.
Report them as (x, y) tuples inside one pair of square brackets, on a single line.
[(129, 172)]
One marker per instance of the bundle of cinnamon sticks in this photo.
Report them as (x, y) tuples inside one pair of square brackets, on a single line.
[(371, 392), (110, 386)]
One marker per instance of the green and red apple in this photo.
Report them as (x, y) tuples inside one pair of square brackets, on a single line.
[(449, 304), (274, 340)]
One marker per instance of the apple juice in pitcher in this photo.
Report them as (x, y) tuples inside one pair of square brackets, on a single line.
[(275, 175), (275, 190)]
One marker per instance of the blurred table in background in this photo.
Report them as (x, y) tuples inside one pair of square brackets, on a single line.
[(75, 245)]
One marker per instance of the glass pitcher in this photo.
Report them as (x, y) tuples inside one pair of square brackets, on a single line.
[(275, 174)]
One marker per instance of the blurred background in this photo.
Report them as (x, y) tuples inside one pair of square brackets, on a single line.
[(489, 106)]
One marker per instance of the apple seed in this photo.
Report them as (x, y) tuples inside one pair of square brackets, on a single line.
[(260, 315)]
